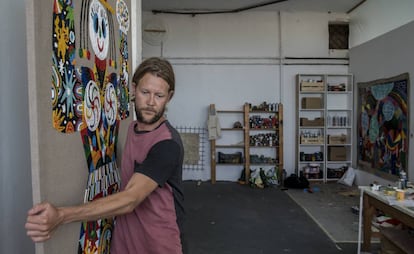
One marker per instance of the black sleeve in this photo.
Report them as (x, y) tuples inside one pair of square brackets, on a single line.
[(161, 161)]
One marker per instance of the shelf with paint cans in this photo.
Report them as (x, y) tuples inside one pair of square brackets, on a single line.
[(265, 137), (324, 125), (339, 130), (251, 136)]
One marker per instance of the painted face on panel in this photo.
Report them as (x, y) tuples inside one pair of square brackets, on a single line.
[(99, 29), (151, 98)]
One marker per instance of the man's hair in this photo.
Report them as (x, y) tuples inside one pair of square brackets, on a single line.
[(158, 67)]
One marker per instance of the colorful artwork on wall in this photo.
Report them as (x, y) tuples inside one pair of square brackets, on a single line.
[(90, 95), (383, 126)]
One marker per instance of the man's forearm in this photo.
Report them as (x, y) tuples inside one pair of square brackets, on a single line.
[(106, 207), (116, 204)]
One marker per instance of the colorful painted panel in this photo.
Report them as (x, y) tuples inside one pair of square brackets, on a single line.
[(90, 79), (383, 126)]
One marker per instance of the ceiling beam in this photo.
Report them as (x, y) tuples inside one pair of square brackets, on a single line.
[(194, 13), (356, 6)]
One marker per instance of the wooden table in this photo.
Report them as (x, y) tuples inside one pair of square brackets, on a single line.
[(372, 200)]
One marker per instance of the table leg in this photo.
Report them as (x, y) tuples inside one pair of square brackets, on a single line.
[(368, 213)]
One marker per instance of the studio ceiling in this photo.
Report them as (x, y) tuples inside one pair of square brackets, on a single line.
[(337, 6)]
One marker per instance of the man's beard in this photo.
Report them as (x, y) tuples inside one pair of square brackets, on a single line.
[(154, 119)]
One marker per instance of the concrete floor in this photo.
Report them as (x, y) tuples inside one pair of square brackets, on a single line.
[(232, 218)]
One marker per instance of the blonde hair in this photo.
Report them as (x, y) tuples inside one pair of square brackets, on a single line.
[(158, 67)]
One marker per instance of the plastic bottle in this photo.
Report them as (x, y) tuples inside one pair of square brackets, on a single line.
[(403, 179)]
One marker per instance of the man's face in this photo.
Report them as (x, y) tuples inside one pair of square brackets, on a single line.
[(151, 98)]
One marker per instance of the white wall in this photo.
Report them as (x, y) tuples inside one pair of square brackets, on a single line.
[(236, 58), (15, 182), (377, 17), (306, 34)]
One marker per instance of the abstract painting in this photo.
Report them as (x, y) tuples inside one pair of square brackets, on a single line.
[(383, 126)]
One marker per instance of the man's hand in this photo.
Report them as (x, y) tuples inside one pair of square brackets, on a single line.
[(42, 219)]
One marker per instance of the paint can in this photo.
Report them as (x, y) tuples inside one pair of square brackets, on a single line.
[(400, 195)]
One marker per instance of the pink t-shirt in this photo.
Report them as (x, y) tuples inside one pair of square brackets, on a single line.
[(154, 227)]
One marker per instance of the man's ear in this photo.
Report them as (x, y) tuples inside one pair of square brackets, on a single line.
[(132, 91), (170, 95)]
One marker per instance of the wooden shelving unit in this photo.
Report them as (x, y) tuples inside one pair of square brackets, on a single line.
[(244, 133)]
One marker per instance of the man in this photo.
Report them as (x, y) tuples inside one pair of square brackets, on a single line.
[(149, 208)]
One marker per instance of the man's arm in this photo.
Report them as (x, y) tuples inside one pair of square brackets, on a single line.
[(43, 218)]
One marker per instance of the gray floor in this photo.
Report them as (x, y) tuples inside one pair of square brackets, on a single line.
[(330, 205), (232, 218)]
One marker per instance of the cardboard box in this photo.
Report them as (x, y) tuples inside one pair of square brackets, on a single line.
[(312, 103), (337, 153), (314, 86), (312, 140), (337, 139), (319, 121)]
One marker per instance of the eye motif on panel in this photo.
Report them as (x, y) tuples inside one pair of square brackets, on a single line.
[(92, 105), (110, 104)]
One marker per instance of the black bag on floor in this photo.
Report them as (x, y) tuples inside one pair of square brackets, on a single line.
[(295, 182)]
